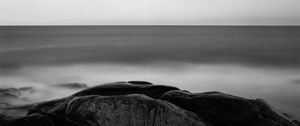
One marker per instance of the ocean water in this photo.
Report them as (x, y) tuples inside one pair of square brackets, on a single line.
[(252, 62)]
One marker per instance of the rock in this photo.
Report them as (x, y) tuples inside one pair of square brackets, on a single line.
[(297, 122), (140, 82), (124, 88), (267, 122), (53, 106), (222, 109), (40, 120), (216, 108), (138, 103), (13, 112), (129, 110), (267, 112)]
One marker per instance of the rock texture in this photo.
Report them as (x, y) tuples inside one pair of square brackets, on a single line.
[(130, 110), (124, 88), (139, 103), (222, 109)]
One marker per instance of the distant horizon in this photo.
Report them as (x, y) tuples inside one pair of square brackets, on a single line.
[(21, 25)]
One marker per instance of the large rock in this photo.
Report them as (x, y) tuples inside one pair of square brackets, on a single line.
[(138, 103), (297, 122), (41, 119), (266, 111), (124, 88), (56, 105), (130, 110), (222, 109), (108, 89)]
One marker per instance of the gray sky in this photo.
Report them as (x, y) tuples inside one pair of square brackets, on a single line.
[(150, 12)]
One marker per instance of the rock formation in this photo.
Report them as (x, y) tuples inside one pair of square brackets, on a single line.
[(129, 110), (124, 88), (138, 103), (222, 109)]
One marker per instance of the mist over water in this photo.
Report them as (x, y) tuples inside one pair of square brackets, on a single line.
[(252, 62)]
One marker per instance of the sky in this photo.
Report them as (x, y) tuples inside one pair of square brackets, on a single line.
[(149, 12)]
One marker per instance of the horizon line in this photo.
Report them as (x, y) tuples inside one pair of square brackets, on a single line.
[(179, 25)]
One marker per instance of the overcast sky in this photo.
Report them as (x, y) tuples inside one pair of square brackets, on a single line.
[(150, 12)]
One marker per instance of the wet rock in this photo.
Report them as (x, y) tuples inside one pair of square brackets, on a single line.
[(267, 112), (216, 108), (222, 109), (130, 110), (138, 103), (13, 112), (140, 82), (46, 119), (52, 106), (297, 122), (124, 88), (267, 122)]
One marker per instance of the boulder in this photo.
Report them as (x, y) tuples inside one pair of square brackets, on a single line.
[(140, 82), (222, 109), (52, 106), (128, 110), (41, 119), (124, 88), (108, 89), (124, 110), (297, 122), (267, 112), (138, 103), (267, 122)]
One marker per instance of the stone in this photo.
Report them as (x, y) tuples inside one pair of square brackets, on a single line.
[(128, 110), (222, 109), (124, 88)]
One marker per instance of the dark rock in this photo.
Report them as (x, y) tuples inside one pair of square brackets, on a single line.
[(140, 82), (53, 106), (130, 110), (216, 108), (267, 122), (40, 120), (123, 88), (267, 112), (13, 112), (138, 103), (297, 122)]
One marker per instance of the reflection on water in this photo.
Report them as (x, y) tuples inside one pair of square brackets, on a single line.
[(277, 86)]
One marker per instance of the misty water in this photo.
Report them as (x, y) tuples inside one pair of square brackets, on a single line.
[(252, 62)]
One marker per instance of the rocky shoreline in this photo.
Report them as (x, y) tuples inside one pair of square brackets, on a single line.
[(139, 103)]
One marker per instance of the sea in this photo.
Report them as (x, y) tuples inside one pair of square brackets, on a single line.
[(247, 61)]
